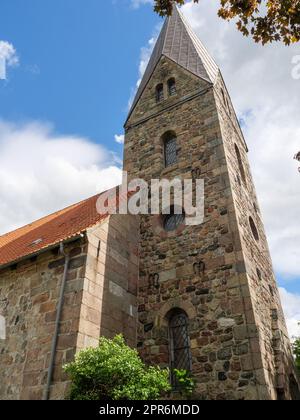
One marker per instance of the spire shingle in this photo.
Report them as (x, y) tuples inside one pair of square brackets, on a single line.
[(178, 42)]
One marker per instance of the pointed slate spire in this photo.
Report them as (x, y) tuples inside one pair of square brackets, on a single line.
[(178, 42)]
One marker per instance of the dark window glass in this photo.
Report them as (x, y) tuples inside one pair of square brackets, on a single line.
[(253, 229), (240, 163), (180, 354), (172, 221), (223, 96), (159, 92), (172, 87), (258, 273), (170, 145)]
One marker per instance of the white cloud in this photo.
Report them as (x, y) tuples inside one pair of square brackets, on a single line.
[(119, 138), (8, 57), (41, 172), (145, 55), (291, 307), (9, 53), (137, 3)]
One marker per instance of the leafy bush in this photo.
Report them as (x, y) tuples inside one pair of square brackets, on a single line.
[(296, 349), (114, 371), (186, 383)]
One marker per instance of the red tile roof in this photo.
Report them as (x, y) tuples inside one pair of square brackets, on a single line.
[(49, 231)]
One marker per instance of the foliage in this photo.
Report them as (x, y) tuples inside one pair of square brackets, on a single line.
[(114, 371), (264, 20), (296, 350), (297, 157), (186, 383)]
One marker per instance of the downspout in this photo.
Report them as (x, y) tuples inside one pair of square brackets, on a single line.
[(57, 322)]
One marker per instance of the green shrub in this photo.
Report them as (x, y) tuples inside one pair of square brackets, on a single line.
[(114, 371), (186, 384), (296, 349)]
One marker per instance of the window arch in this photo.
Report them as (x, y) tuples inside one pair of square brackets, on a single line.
[(179, 343), (170, 148), (240, 163), (159, 92), (171, 86)]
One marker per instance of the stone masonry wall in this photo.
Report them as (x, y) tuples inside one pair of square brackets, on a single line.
[(226, 357), (99, 299), (28, 299), (110, 285), (272, 340)]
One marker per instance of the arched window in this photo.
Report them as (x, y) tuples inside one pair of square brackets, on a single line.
[(179, 342), (159, 92), (170, 148), (171, 87), (240, 163)]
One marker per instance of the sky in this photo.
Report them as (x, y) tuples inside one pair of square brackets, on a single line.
[(72, 68)]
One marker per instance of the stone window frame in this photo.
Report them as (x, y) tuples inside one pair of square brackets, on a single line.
[(223, 96), (172, 86), (159, 93), (186, 357), (161, 319), (253, 228), (240, 163), (177, 217), (157, 224), (169, 136)]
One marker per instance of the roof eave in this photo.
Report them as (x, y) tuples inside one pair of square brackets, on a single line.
[(43, 250)]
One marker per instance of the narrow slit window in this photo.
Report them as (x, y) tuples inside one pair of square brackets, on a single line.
[(253, 229), (240, 163), (159, 92), (172, 87)]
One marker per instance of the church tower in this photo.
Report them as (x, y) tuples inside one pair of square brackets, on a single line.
[(208, 299)]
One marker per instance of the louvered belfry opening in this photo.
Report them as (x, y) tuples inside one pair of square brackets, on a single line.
[(180, 353)]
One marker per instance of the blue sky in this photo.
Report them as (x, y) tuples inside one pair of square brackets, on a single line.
[(63, 104), (79, 62)]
